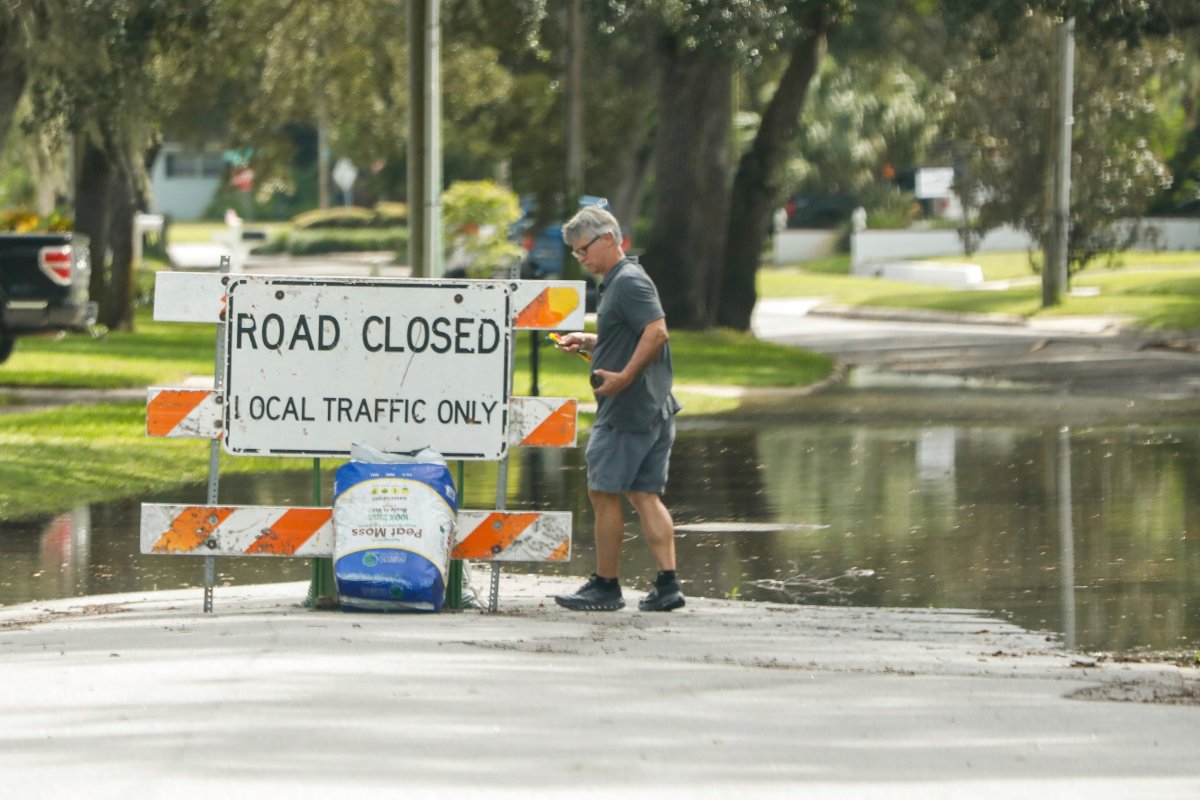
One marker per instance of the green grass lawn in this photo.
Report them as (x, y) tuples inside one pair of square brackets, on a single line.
[(157, 354), (56, 459), (1151, 290)]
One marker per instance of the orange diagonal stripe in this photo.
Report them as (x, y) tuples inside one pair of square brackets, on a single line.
[(493, 535), (290, 531), (169, 407), (190, 528), (561, 553), (549, 308), (556, 430)]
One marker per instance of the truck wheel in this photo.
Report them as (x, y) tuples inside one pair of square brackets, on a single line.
[(6, 346)]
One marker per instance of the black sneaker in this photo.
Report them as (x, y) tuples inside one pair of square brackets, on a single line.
[(592, 596), (663, 598)]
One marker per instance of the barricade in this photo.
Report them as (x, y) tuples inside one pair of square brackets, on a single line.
[(306, 367)]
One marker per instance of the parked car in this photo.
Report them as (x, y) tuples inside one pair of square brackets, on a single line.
[(43, 286), (820, 211)]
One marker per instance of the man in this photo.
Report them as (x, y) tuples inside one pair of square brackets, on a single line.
[(630, 444)]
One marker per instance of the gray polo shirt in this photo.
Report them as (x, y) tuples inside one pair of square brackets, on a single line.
[(628, 303)]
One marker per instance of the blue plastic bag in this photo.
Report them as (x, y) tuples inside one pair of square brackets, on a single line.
[(393, 530)]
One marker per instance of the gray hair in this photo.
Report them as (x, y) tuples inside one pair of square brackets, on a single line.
[(589, 223)]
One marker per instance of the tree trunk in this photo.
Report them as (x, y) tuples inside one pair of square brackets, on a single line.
[(691, 194), (13, 74), (757, 189), (633, 167), (118, 315), (93, 215)]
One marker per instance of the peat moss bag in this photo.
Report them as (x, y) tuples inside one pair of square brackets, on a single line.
[(393, 525)]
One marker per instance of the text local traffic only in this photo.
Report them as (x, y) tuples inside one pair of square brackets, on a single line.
[(397, 367)]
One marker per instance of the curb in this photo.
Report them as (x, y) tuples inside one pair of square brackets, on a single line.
[(916, 315)]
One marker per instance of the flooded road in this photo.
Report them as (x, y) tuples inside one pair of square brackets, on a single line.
[(1090, 532)]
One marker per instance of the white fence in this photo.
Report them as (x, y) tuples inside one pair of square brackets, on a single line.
[(877, 246), (872, 247)]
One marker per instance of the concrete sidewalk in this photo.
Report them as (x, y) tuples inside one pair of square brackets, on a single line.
[(143, 696)]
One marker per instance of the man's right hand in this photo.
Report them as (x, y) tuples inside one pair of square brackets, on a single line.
[(574, 342)]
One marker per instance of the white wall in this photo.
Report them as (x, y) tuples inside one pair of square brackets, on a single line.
[(804, 244), (870, 247), (1174, 233), (873, 247)]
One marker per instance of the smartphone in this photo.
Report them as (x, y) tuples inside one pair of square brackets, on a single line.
[(556, 339)]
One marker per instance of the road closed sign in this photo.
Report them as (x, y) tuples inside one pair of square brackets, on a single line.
[(313, 366)]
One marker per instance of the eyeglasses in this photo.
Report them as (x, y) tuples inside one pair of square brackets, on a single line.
[(581, 253)]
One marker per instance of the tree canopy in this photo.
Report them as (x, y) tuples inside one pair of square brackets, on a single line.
[(701, 117)]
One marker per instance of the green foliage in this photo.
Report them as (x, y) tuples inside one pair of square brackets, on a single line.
[(1128, 21), (336, 240), (341, 217), (476, 216), (388, 215), (17, 187), (102, 67), (1008, 127), (859, 121), (745, 30), (21, 221), (889, 207)]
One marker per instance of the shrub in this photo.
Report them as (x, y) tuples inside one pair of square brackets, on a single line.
[(388, 215), (29, 221), (889, 207), (384, 215), (476, 216), (338, 240), (352, 217)]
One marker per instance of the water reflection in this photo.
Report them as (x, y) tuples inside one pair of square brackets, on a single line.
[(1089, 533)]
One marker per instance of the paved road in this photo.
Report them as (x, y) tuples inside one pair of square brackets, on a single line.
[(142, 696), (1080, 356)]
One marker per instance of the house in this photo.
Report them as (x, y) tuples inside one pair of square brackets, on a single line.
[(183, 181)]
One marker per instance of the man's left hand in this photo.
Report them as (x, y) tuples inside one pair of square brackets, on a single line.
[(613, 383)]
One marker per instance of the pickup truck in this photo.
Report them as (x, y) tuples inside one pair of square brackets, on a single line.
[(43, 286)]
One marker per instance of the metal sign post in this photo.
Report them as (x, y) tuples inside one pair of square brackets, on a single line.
[(214, 452), (322, 588)]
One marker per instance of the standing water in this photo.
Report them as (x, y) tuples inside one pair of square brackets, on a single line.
[(1088, 533)]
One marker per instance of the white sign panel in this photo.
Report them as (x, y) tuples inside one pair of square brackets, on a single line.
[(933, 182), (315, 365)]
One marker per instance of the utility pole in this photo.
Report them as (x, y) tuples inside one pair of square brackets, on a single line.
[(322, 154), (416, 136), (1054, 274), (574, 103), (424, 139), (574, 129)]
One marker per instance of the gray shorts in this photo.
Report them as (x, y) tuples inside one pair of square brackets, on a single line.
[(625, 461)]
